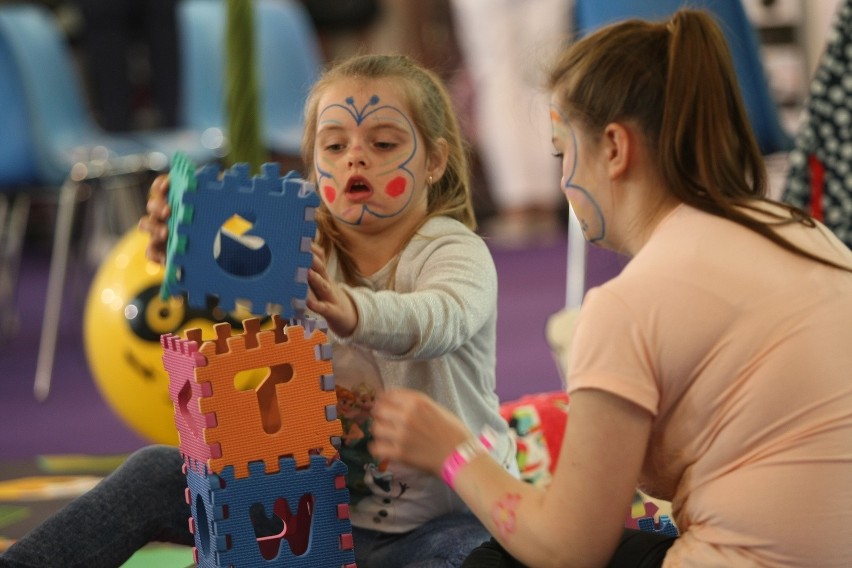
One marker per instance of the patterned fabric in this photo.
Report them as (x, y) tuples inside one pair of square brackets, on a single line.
[(820, 176), (537, 423)]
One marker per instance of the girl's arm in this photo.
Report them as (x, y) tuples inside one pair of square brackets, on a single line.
[(328, 299), (578, 520), (155, 222), (446, 291)]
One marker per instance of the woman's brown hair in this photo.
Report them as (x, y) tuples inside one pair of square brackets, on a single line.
[(676, 81)]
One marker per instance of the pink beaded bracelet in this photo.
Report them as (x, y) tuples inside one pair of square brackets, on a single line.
[(464, 453)]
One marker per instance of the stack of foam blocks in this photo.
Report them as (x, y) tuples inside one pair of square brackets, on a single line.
[(264, 481)]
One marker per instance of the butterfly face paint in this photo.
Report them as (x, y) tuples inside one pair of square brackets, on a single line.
[(370, 165), (584, 204)]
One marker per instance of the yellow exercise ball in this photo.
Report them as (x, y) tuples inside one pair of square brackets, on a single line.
[(124, 318)]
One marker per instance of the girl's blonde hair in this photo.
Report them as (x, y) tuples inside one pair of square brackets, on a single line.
[(676, 81), (434, 119)]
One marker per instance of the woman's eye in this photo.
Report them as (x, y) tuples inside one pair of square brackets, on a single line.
[(558, 155)]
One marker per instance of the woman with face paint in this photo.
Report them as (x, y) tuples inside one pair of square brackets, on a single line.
[(409, 293), (714, 372)]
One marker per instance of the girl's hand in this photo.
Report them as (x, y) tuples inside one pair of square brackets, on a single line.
[(155, 222), (329, 300), (411, 428)]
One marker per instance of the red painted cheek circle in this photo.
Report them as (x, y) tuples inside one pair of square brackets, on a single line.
[(330, 193), (396, 187)]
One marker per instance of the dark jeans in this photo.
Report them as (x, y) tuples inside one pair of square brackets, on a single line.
[(637, 549)]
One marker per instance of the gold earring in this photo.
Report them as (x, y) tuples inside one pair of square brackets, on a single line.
[(429, 180)]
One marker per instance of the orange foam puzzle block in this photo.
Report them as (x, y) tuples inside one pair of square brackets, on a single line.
[(291, 412)]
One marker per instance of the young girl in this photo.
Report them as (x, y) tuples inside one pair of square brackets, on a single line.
[(714, 372), (409, 293)]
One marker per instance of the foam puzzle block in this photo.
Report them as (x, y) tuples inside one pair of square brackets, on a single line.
[(292, 412), (236, 238), (310, 505), (181, 181), (665, 525)]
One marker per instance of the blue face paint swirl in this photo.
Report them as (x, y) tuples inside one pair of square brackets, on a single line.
[(359, 116), (597, 212)]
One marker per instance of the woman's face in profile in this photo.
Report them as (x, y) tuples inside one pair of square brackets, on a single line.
[(577, 183)]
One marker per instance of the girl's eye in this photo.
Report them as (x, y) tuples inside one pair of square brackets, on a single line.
[(385, 145), (333, 147), (558, 155)]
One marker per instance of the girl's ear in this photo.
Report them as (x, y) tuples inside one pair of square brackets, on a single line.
[(436, 164), (618, 147)]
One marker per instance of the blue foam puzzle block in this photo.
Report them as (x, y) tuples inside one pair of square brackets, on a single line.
[(221, 514), (265, 264), (665, 525)]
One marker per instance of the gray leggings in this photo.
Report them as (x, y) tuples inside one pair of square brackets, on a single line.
[(141, 501)]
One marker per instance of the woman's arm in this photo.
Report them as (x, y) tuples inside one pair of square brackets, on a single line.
[(578, 520)]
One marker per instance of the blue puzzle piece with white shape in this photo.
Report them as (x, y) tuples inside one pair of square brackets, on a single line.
[(665, 526), (225, 534), (237, 237)]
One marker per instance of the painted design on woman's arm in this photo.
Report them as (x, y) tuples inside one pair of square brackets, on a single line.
[(504, 515)]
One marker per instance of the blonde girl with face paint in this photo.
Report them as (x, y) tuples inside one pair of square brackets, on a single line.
[(409, 292), (714, 372), (407, 288)]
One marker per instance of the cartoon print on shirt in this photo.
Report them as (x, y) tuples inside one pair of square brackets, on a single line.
[(397, 178), (365, 399), (366, 477), (347, 411), (383, 489)]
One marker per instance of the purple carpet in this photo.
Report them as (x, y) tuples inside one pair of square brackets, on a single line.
[(75, 418)]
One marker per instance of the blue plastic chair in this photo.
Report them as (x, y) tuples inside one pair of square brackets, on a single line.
[(17, 153), (201, 36), (18, 175), (742, 41), (289, 63), (66, 146), (63, 130)]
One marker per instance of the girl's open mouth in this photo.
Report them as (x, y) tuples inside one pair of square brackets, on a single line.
[(358, 190)]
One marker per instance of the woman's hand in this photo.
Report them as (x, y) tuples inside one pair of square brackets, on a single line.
[(155, 223), (328, 300), (411, 428)]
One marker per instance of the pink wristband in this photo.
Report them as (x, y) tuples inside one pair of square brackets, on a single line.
[(464, 453)]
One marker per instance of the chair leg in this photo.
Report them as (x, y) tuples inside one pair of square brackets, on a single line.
[(6, 284), (55, 286), (15, 225), (69, 194), (4, 209)]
